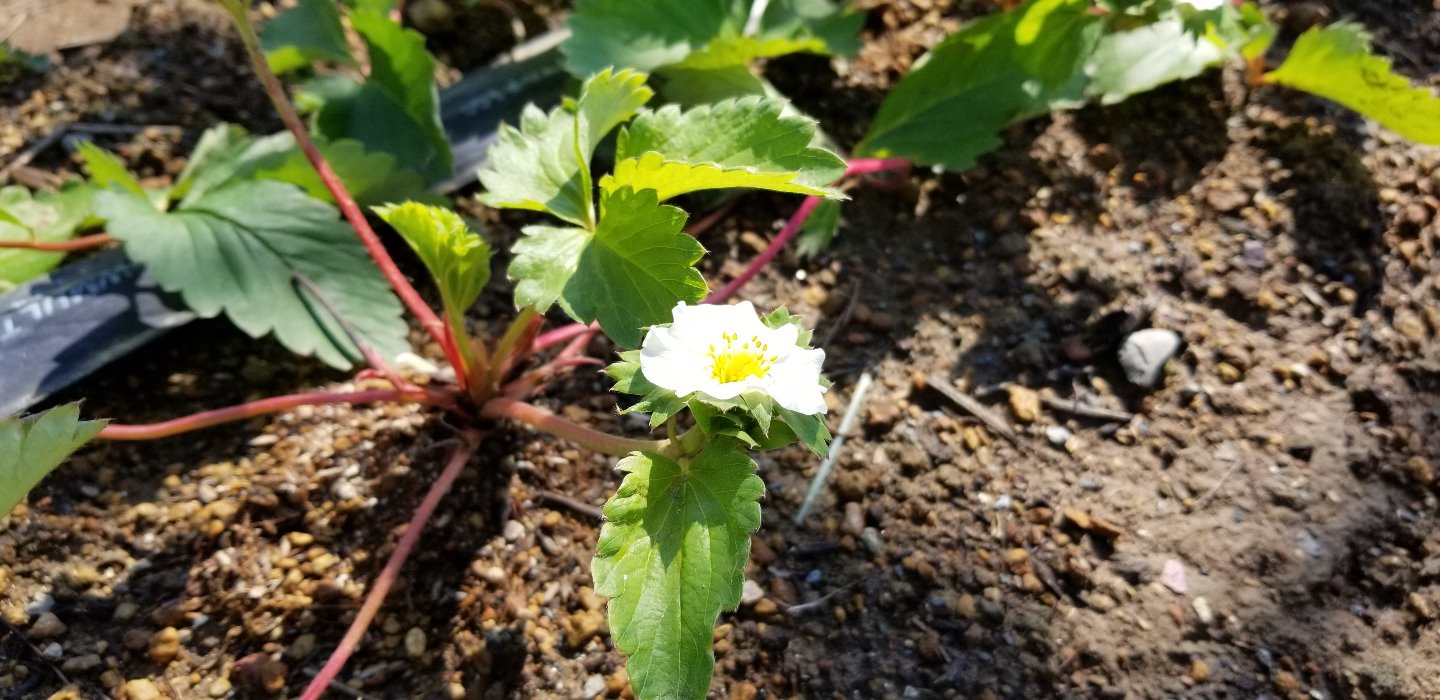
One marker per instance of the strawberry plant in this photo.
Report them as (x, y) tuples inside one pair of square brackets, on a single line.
[(717, 381)]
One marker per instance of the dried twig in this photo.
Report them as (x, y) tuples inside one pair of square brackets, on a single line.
[(857, 400), (339, 687), (1075, 408), (974, 408), (578, 506), (1205, 498), (802, 608)]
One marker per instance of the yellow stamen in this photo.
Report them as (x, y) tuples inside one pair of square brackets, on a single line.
[(733, 364)]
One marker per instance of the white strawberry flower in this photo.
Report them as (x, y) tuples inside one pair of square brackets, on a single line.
[(722, 351)]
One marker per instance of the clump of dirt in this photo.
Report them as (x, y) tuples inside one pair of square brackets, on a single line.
[(1260, 524)]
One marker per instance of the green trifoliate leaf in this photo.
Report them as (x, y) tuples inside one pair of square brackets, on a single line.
[(32, 446), (628, 274), (218, 158), (397, 110), (542, 167), (671, 557), (238, 249), (749, 136), (1335, 62), (44, 217), (310, 31), (457, 258), (951, 106), (106, 171), (741, 50)]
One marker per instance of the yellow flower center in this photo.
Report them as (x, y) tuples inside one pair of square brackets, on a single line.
[(732, 364)]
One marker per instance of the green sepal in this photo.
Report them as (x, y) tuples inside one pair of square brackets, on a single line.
[(810, 430)]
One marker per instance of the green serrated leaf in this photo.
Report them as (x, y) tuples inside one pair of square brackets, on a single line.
[(539, 167), (661, 404), (950, 108), (810, 430), (545, 260), (44, 217), (397, 110), (819, 230), (671, 557), (310, 31), (1335, 62), (636, 267), (456, 257), (670, 178), (371, 177), (652, 34), (1134, 61), (746, 133), (741, 50), (689, 87), (627, 375), (32, 446), (236, 250), (106, 170), (218, 158)]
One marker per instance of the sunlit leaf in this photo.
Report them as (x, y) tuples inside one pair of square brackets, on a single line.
[(1335, 62), (32, 446), (45, 217), (456, 257), (671, 557)]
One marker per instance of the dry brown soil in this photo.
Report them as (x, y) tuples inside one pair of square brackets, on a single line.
[(1263, 527)]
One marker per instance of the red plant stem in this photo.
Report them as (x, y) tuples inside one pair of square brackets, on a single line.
[(206, 419), (94, 240), (562, 334), (386, 579), (760, 261), (532, 415), (700, 226), (348, 207), (865, 166)]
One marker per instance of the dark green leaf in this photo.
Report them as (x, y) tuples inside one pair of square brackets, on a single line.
[(636, 267), (810, 430), (310, 31), (237, 250), (397, 109), (671, 557), (952, 105), (818, 230)]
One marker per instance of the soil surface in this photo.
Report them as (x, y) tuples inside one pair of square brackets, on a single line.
[(1261, 524)]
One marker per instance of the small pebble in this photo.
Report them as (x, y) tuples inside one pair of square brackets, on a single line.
[(220, 687), (47, 626), (1058, 435), (751, 592), (165, 645), (514, 530), (1202, 610), (1199, 671), (415, 643), (141, 689), (1144, 353)]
